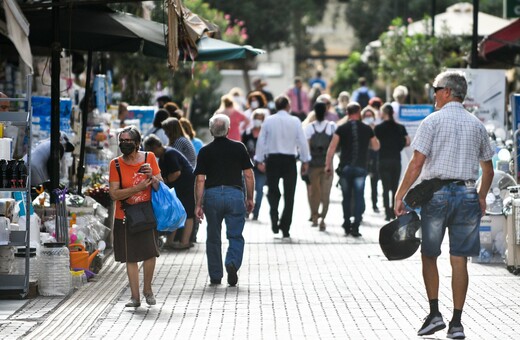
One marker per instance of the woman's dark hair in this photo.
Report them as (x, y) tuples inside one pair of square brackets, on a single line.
[(173, 129), (259, 96), (319, 110), (187, 127), (160, 116), (388, 109), (172, 109)]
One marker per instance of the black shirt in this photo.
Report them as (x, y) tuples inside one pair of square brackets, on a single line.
[(172, 161), (354, 138), (222, 161), (391, 135), (249, 141)]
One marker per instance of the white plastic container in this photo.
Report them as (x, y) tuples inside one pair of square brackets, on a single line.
[(54, 277), (5, 231), (79, 278)]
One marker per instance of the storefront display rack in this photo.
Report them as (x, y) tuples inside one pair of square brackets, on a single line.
[(22, 117)]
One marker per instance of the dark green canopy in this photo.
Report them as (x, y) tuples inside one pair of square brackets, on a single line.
[(101, 29)]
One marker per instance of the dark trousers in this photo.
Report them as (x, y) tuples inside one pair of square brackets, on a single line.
[(281, 167), (390, 171), (374, 178)]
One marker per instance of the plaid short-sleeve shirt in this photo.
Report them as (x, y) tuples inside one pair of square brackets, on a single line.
[(454, 142)]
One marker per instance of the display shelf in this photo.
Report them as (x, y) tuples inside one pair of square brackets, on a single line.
[(15, 117), (13, 189), (20, 238), (12, 282)]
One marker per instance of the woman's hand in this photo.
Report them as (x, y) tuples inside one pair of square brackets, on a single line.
[(144, 184)]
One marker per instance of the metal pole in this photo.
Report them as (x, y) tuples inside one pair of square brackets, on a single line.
[(474, 40), (84, 116), (55, 101), (433, 17)]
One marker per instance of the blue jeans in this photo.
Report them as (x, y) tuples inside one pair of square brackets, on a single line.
[(352, 181), (224, 203), (457, 208), (260, 180)]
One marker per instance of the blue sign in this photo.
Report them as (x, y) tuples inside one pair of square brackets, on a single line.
[(414, 112)]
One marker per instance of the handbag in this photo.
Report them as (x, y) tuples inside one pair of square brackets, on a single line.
[(423, 192), (140, 216)]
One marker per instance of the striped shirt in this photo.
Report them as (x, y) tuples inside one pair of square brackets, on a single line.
[(184, 146), (454, 142)]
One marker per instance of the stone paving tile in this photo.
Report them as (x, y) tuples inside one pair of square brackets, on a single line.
[(322, 285)]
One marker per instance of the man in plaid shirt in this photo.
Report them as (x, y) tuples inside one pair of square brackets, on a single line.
[(450, 144)]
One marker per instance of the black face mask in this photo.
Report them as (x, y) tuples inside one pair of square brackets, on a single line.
[(127, 148)]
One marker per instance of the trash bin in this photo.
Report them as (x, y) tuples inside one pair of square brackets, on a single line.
[(512, 210)]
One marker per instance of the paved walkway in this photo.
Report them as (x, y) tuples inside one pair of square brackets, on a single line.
[(323, 285)]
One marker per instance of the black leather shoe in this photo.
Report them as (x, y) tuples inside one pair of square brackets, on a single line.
[(355, 233), (215, 281), (232, 277), (347, 228), (275, 228)]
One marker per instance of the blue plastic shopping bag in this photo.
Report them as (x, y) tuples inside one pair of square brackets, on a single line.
[(168, 209)]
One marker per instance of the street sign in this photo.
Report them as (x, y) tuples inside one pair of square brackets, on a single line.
[(512, 8)]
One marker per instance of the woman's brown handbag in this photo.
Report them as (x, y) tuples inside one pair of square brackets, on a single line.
[(139, 217)]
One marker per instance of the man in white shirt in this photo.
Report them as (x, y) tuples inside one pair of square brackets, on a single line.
[(280, 142)]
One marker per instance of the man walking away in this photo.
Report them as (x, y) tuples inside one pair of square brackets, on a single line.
[(449, 145), (219, 195), (354, 138), (280, 141)]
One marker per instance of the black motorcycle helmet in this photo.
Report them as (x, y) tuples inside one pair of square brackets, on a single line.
[(397, 238)]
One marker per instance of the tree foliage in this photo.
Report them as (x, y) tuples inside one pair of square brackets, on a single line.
[(370, 18), (273, 23), (415, 60), (348, 73)]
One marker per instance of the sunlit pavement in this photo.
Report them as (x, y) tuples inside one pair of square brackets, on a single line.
[(321, 285)]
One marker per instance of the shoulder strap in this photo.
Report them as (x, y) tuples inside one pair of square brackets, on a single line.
[(118, 168), (119, 172)]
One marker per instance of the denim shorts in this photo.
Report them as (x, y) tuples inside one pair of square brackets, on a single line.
[(457, 208)]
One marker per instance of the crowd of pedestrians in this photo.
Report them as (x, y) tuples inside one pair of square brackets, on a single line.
[(275, 134), (258, 140)]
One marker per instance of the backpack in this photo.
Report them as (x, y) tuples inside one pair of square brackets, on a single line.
[(363, 99), (319, 143)]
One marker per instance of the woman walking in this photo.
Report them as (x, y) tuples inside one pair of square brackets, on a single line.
[(393, 138), (132, 177)]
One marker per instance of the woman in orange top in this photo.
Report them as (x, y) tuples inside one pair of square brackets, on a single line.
[(139, 172)]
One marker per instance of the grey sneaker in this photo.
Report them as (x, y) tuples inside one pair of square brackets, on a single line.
[(456, 332), (133, 303), (150, 299), (432, 324)]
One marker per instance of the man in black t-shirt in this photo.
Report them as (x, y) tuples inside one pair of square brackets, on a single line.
[(219, 194), (354, 138)]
